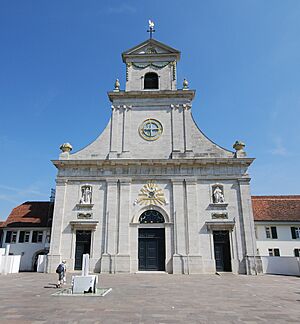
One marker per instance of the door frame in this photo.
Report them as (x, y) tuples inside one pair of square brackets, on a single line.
[(90, 244), (81, 227), (133, 238)]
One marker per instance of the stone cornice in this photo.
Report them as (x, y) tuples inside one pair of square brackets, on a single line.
[(143, 177), (153, 162), (155, 94)]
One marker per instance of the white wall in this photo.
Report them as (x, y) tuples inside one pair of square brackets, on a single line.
[(9, 264), (281, 265)]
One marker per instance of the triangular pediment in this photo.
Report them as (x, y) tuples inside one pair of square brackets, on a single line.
[(151, 47)]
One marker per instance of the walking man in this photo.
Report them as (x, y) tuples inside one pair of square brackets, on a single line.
[(61, 271)]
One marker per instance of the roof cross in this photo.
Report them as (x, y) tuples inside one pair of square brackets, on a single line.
[(151, 29)]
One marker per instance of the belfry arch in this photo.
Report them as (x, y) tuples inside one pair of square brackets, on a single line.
[(151, 80)]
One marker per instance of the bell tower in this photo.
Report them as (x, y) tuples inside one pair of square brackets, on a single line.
[(150, 66)]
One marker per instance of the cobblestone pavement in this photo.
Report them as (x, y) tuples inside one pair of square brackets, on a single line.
[(154, 298)]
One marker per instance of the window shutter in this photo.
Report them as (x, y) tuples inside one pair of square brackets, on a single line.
[(274, 232), (34, 237), (8, 237), (293, 231), (21, 237)]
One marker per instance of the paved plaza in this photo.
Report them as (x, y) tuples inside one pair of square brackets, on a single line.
[(154, 298)]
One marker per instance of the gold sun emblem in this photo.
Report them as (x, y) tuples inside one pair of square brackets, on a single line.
[(151, 194)]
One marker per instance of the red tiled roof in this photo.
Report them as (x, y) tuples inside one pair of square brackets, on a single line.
[(276, 208), (30, 214)]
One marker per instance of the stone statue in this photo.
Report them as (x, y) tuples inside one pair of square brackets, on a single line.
[(218, 196), (86, 195)]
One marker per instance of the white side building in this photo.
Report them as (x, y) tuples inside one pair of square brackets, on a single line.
[(277, 225), (27, 230)]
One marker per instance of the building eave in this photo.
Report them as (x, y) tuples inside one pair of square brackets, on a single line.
[(277, 222)]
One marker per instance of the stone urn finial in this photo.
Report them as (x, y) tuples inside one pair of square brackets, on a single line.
[(117, 85), (66, 147), (239, 149), (185, 84), (239, 146)]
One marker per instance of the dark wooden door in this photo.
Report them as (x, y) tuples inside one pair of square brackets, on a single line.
[(83, 246), (219, 256), (152, 249), (222, 250)]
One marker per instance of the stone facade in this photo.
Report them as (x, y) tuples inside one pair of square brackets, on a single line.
[(153, 157)]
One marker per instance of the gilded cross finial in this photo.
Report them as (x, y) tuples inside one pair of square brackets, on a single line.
[(151, 29)]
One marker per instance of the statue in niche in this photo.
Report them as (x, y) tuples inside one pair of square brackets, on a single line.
[(86, 195), (218, 196)]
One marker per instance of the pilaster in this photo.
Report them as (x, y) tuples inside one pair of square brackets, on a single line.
[(54, 256), (177, 128), (180, 265), (192, 216), (114, 131), (187, 131), (126, 131), (123, 253), (112, 210), (248, 226)]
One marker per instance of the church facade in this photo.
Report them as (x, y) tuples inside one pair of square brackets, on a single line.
[(152, 192)]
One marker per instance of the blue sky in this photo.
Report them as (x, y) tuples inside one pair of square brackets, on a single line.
[(58, 59)]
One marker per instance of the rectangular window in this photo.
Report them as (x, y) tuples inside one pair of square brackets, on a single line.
[(13, 237), (274, 232), (295, 231), (274, 252), (271, 232), (40, 237), (27, 236), (37, 236), (297, 252), (24, 237)]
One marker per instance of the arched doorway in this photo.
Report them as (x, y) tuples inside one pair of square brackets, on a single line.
[(35, 258), (151, 249)]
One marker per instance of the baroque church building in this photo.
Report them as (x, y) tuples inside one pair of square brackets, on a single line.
[(152, 192)]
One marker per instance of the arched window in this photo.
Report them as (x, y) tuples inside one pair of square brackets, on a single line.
[(151, 81), (151, 216)]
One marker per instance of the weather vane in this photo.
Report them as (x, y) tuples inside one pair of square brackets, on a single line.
[(151, 28)]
